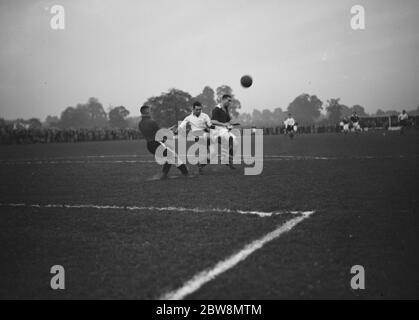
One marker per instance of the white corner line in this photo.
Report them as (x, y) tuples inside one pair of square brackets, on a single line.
[(200, 279)]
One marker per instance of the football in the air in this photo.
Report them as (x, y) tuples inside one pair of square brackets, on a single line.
[(246, 81)]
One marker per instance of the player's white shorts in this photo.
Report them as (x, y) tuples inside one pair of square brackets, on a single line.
[(356, 126), (225, 135), (346, 127)]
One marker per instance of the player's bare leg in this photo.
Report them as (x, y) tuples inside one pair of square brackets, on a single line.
[(166, 167)]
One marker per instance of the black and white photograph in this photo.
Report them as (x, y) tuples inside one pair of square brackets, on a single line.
[(226, 152)]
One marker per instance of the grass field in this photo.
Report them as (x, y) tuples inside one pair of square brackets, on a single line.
[(361, 191)]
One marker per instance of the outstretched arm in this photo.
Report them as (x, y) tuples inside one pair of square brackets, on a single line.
[(182, 126), (222, 124)]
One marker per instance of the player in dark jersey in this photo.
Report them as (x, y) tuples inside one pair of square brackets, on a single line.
[(355, 122), (221, 119), (149, 128)]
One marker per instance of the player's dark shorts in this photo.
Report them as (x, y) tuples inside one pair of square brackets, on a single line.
[(403, 123), (152, 147), (290, 128)]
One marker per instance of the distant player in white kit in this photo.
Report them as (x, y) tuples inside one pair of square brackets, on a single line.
[(403, 121), (345, 125), (290, 124)]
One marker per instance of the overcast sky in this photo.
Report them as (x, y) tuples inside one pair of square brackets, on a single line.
[(124, 51)]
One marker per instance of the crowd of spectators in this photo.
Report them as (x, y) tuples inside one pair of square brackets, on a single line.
[(51, 135), (12, 135)]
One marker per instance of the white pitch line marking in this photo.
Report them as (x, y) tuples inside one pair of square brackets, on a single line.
[(200, 279), (139, 156), (265, 158), (38, 162), (261, 214)]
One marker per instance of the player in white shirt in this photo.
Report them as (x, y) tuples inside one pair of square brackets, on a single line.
[(289, 125), (198, 120), (345, 125), (200, 124), (403, 119)]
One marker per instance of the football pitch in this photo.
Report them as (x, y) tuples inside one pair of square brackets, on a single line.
[(323, 204)]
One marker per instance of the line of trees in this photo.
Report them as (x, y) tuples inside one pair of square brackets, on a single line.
[(172, 106), (91, 115)]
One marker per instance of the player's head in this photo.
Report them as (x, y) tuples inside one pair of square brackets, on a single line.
[(226, 100), (197, 108), (354, 113), (404, 111), (289, 115), (145, 111)]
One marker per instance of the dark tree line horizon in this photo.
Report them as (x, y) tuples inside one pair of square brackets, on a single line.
[(172, 106)]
